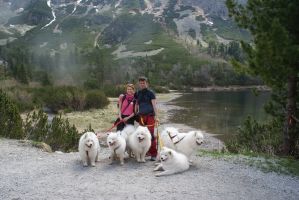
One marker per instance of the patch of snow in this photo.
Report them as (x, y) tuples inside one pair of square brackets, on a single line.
[(21, 28), (210, 23), (76, 4), (43, 44), (20, 10), (118, 4), (103, 9), (132, 12), (4, 29), (57, 30), (5, 41), (148, 42), (53, 13), (63, 46), (156, 11), (122, 53), (52, 52)]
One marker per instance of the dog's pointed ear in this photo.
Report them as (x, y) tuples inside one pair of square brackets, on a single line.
[(85, 135)]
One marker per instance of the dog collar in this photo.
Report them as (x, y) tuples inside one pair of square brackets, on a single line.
[(179, 140)]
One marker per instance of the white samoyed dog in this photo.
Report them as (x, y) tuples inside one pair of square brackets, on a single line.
[(171, 162), (140, 142), (185, 143), (117, 146), (117, 142), (89, 148)]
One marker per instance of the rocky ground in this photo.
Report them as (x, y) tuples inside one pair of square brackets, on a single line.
[(29, 173)]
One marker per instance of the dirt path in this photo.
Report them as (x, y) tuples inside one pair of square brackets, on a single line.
[(29, 173)]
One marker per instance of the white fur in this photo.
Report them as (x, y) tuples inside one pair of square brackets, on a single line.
[(127, 131), (140, 143), (89, 148), (188, 144), (117, 146), (171, 162)]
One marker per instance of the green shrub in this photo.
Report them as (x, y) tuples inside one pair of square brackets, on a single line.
[(36, 126), (92, 83), (10, 119), (62, 136), (58, 98), (255, 137), (59, 134), (22, 98), (114, 91), (96, 99)]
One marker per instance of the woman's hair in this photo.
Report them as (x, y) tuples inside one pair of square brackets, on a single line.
[(131, 86)]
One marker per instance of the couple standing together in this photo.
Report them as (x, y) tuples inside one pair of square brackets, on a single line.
[(140, 106)]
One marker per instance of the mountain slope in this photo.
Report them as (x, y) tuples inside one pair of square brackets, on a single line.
[(131, 35)]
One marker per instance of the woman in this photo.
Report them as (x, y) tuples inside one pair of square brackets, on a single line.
[(126, 106)]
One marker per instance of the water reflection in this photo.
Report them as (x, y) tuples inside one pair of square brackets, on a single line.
[(219, 112)]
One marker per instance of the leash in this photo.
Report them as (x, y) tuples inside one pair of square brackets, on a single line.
[(142, 122), (178, 140), (172, 137), (114, 125), (160, 141)]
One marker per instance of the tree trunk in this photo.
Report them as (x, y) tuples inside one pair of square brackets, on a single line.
[(289, 131)]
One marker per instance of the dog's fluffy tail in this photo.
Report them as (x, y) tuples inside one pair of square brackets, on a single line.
[(128, 130)]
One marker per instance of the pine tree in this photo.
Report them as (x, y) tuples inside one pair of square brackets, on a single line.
[(22, 74), (274, 55)]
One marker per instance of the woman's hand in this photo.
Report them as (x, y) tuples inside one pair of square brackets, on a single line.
[(126, 118)]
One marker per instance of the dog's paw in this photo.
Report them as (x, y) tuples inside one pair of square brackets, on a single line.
[(157, 175), (93, 164)]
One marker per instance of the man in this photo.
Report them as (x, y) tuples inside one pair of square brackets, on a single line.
[(146, 108)]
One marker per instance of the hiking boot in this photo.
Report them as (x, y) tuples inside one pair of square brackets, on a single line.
[(153, 158)]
